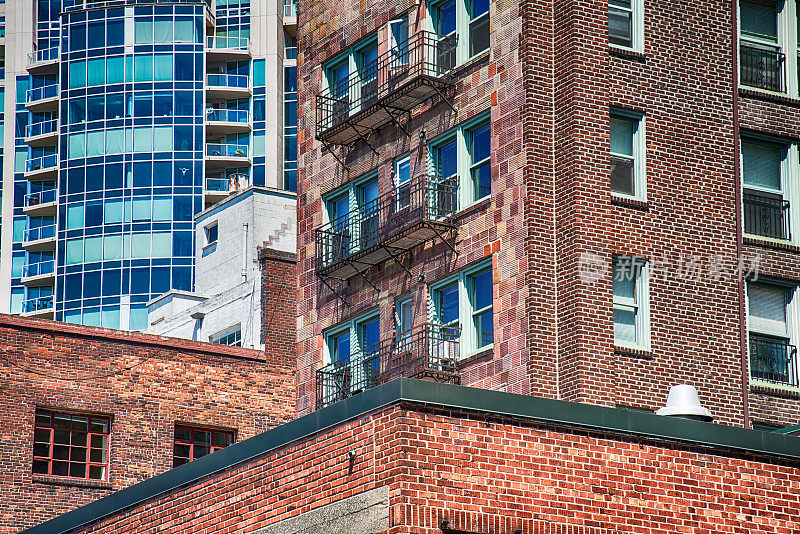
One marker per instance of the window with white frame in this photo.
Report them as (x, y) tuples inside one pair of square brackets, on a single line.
[(465, 301), (462, 160), (352, 78), (211, 233), (631, 303), (352, 352), (352, 216), (768, 45), (462, 28), (771, 324), (765, 188), (628, 176), (402, 182), (626, 24)]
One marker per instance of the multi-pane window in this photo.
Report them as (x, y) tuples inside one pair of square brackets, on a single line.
[(70, 445), (231, 336), (353, 217), (193, 443), (462, 160), (352, 79), (766, 206), (480, 156), (773, 357), (462, 28), (628, 155), (626, 23), (352, 353), (762, 59), (631, 303), (478, 26), (465, 302)]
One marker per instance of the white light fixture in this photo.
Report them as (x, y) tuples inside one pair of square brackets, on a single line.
[(684, 402)]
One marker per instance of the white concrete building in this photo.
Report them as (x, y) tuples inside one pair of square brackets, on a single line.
[(226, 304)]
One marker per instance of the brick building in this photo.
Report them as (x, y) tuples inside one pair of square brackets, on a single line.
[(87, 411), (563, 198), (418, 457)]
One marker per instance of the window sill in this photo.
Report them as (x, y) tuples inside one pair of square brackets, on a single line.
[(769, 243), (769, 96), (775, 390), (630, 351), (630, 202), (627, 53), (60, 481), (483, 354), (469, 64), (475, 206)]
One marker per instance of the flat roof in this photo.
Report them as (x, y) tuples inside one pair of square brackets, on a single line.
[(432, 394)]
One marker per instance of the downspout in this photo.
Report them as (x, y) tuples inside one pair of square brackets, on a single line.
[(244, 252), (739, 237)]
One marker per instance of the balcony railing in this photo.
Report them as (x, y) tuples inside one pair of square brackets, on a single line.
[(234, 81), (289, 8), (766, 215), (37, 304), (38, 269), (762, 68), (231, 183), (41, 93), (228, 151), (74, 5), (221, 42), (41, 128), (773, 360), (427, 351), (42, 197), (228, 115), (40, 232), (386, 88), (415, 212), (42, 162), (40, 56)]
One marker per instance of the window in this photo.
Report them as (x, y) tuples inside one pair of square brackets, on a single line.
[(762, 58), (462, 161), (628, 177), (462, 29), (626, 24), (765, 199), (402, 179), (193, 443), (70, 445), (773, 356), (631, 303), (398, 44), (232, 336), (352, 352), (212, 233), (465, 301), (353, 216), (403, 320)]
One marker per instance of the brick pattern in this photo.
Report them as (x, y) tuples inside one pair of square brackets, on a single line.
[(485, 474), (145, 383)]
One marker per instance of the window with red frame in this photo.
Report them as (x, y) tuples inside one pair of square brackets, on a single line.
[(193, 443), (71, 445)]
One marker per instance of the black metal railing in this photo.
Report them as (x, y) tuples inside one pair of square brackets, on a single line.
[(424, 198), (766, 215), (426, 351), (762, 68), (773, 360), (423, 55)]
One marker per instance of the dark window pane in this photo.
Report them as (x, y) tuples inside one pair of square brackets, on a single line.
[(179, 461), (97, 472), (77, 470), (97, 455), (42, 419), (483, 290), (61, 469), (78, 454), (201, 450), (61, 436), (41, 449), (79, 439), (479, 35), (61, 421), (181, 450), (202, 437), (99, 441), (620, 27), (622, 176), (41, 435), (449, 304), (99, 425), (61, 452), (222, 439), (40, 467), (182, 434)]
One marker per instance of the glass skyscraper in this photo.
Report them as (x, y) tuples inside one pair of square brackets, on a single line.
[(129, 118)]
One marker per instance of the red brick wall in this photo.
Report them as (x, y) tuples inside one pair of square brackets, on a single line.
[(279, 307), (486, 475), (145, 383)]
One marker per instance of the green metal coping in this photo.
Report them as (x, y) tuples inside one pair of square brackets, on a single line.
[(794, 429), (437, 395)]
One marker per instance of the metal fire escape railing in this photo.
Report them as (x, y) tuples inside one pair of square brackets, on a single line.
[(386, 89), (766, 215), (773, 360), (415, 212), (762, 68), (425, 351)]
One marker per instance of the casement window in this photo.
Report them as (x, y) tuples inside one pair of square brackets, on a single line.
[(71, 445), (631, 303), (766, 191), (768, 45), (628, 176), (465, 301), (230, 336), (352, 216), (626, 24), (352, 356), (462, 160), (211, 233), (192, 443), (462, 28), (771, 324)]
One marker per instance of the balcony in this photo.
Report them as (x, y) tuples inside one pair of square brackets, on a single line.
[(42, 61), (762, 68), (219, 188), (42, 168), (39, 274), (290, 12), (42, 98), (427, 351), (773, 361), (42, 133), (221, 48), (392, 224), (224, 86), (42, 203), (222, 156), (38, 307), (386, 89), (77, 5), (40, 238), (228, 121), (766, 215)]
